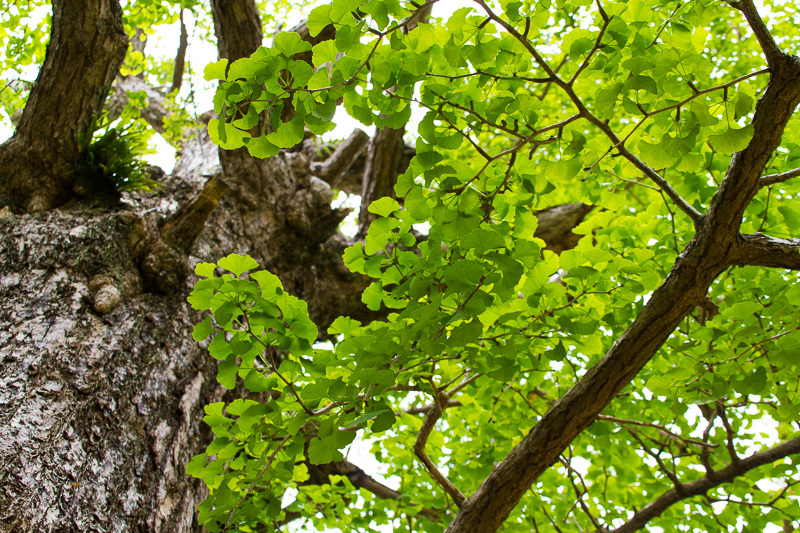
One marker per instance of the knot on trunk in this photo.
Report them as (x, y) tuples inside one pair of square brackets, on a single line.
[(309, 211)]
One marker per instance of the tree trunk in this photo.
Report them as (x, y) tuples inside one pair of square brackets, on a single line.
[(87, 46)]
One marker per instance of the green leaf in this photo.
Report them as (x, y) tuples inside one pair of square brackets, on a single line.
[(205, 269), (226, 374), (268, 282), (373, 296), (237, 264), (290, 43), (260, 147), (196, 465), (385, 420), (318, 19), (324, 52), (304, 329), (753, 383), (733, 140), (288, 134), (225, 135), (320, 451), (384, 206), (203, 330), (343, 326), (219, 348), (216, 71)]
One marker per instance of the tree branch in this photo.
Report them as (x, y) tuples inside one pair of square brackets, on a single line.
[(771, 49), (180, 58), (704, 258), (339, 162), (182, 228), (757, 249), (385, 149), (772, 179), (584, 112), (156, 110), (713, 479), (320, 475), (431, 418)]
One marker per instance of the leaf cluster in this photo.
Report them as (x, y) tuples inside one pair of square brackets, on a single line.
[(110, 160)]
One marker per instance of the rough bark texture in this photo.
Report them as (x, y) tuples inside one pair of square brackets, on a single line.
[(98, 413), (87, 45)]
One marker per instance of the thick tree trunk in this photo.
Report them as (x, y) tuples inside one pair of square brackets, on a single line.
[(87, 46), (98, 414)]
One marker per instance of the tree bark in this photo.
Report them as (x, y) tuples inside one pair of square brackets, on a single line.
[(87, 46)]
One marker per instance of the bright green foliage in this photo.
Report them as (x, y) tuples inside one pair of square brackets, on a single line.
[(482, 311), (22, 45), (262, 336)]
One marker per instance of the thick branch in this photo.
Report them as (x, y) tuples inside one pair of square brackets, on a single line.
[(556, 225), (757, 249), (380, 172), (352, 179), (237, 26), (772, 179), (771, 49), (87, 45), (340, 161), (706, 483), (182, 229), (704, 258)]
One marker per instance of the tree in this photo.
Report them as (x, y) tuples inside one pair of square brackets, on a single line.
[(591, 330)]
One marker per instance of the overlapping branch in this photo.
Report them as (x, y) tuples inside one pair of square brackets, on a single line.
[(428, 424), (583, 111), (770, 48), (706, 256), (712, 479)]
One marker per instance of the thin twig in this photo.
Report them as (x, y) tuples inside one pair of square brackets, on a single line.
[(431, 418), (232, 512), (772, 179)]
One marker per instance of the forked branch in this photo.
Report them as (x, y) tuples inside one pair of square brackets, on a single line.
[(711, 480), (431, 418)]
